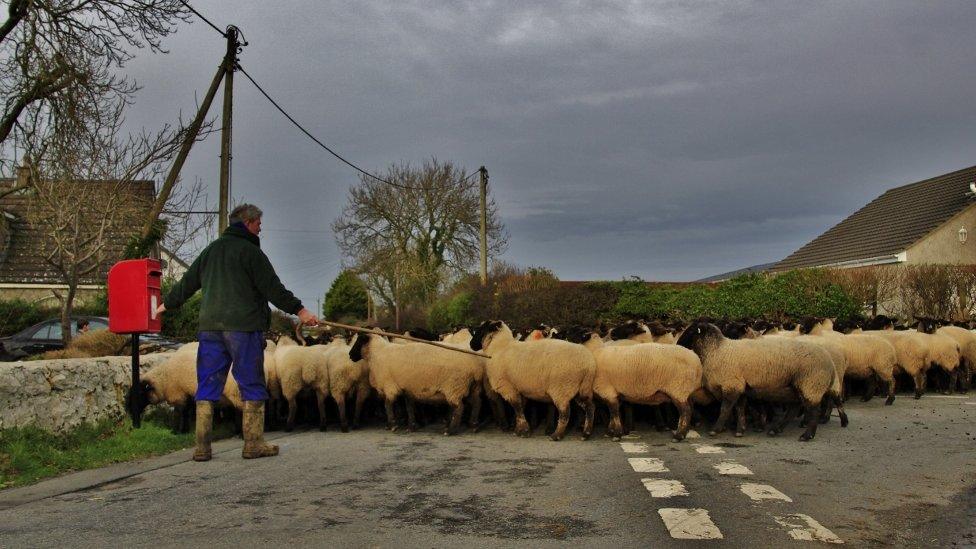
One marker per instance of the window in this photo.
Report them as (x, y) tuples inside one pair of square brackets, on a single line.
[(43, 332), (55, 331)]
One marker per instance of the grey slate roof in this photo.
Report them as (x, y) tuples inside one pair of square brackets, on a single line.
[(22, 259), (889, 224), (732, 274)]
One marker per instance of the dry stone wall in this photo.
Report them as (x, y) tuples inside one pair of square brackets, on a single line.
[(59, 395)]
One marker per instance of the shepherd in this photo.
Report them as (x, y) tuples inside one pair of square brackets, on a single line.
[(238, 281)]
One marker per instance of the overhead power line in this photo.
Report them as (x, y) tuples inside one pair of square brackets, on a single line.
[(205, 20), (316, 140)]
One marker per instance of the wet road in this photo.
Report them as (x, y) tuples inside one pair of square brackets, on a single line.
[(902, 475)]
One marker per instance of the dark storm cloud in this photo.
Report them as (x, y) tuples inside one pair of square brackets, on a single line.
[(669, 140)]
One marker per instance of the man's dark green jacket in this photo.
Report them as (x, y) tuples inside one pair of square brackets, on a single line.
[(238, 281)]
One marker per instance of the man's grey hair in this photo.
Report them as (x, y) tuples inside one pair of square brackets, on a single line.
[(245, 213)]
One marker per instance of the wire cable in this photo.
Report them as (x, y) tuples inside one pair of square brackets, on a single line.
[(326, 147), (316, 140), (205, 20)]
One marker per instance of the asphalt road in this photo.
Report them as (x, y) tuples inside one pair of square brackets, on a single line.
[(903, 475)]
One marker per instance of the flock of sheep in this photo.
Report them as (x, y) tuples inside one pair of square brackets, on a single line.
[(685, 374)]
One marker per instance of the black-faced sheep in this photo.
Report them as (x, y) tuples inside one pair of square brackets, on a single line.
[(548, 370), (419, 372), (779, 370), (646, 373)]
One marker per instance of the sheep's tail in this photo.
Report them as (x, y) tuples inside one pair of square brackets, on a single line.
[(586, 385)]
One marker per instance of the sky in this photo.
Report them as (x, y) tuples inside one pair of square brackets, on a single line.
[(667, 140)]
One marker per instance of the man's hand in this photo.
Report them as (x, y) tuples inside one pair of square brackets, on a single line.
[(160, 310), (307, 318)]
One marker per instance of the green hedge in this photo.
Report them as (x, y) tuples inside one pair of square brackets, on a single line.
[(535, 296)]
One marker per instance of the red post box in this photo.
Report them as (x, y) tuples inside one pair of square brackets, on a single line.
[(134, 292)]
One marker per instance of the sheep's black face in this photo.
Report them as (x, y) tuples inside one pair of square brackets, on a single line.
[(421, 333), (927, 325), (808, 323), (657, 329), (880, 322), (626, 330), (734, 330), (578, 334), (356, 353), (698, 335), (479, 334)]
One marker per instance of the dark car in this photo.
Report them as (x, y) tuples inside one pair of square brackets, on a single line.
[(43, 337)]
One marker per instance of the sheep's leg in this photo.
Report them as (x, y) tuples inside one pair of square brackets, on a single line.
[(498, 410), (474, 422), (839, 404), (919, 379), (362, 393), (953, 380), (411, 406), (457, 410), (589, 409), (628, 418), (563, 423), (847, 388), (788, 416), (660, 425), (684, 419), (728, 401), (320, 401), (870, 388), (340, 399), (811, 413), (292, 413), (390, 416), (521, 424), (964, 376), (761, 415), (550, 418), (823, 414), (740, 417), (615, 427)]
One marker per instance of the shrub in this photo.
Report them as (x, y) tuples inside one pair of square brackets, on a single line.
[(346, 299), (182, 324), (17, 314)]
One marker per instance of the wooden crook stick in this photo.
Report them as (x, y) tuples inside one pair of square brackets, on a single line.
[(401, 336)]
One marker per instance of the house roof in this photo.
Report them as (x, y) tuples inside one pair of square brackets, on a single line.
[(732, 274), (22, 260), (889, 224)]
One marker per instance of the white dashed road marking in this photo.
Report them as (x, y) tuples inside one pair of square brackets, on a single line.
[(706, 449), (689, 524), (804, 528), (631, 436), (635, 447), (660, 488), (760, 492), (732, 468), (947, 396), (692, 434), (647, 465)]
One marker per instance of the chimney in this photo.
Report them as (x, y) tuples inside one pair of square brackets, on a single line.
[(23, 172)]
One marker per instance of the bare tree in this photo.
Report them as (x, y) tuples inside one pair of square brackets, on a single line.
[(410, 241), (84, 188), (52, 49)]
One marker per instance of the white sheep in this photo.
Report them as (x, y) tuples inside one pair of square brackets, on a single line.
[(548, 370), (420, 372), (868, 356), (911, 352), (646, 373), (967, 349), (346, 378), (775, 369)]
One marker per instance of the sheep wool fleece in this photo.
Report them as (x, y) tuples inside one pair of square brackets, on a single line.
[(214, 357), (238, 281)]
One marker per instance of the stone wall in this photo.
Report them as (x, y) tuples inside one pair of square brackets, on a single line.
[(59, 395)]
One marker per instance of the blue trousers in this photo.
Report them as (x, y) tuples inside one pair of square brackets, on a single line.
[(218, 350)]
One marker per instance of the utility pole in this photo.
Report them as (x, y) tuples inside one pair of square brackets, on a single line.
[(484, 225), (230, 65)]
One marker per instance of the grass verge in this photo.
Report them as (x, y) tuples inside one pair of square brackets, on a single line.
[(29, 454)]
